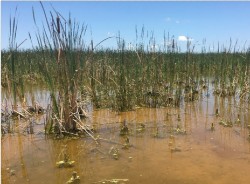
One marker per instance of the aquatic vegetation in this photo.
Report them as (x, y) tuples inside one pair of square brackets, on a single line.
[(179, 131), (140, 128), (127, 144), (113, 181), (63, 164), (124, 129), (217, 112), (114, 153), (82, 78), (156, 133), (212, 127), (172, 145), (66, 162), (175, 150), (74, 179), (226, 123), (11, 172), (36, 109), (125, 85)]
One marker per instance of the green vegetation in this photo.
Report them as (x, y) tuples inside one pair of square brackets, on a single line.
[(123, 80), (119, 79)]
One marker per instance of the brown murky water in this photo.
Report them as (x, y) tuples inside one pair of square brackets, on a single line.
[(161, 153)]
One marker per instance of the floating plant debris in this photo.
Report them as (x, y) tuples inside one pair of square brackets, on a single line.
[(74, 179), (65, 163), (116, 181), (226, 123), (114, 153)]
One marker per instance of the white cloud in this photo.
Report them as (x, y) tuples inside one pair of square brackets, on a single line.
[(185, 38), (177, 22), (182, 38), (168, 19), (110, 34)]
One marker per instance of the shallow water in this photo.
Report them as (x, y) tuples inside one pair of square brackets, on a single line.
[(159, 154)]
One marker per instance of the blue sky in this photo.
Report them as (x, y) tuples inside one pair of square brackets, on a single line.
[(213, 21)]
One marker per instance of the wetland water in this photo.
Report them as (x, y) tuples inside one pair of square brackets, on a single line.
[(168, 145)]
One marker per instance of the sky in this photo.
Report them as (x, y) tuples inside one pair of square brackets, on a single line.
[(199, 22)]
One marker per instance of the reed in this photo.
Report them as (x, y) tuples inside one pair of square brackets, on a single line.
[(61, 46), (121, 78)]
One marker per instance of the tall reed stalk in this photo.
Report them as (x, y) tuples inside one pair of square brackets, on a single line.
[(62, 42)]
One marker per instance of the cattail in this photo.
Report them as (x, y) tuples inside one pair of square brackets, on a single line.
[(59, 55), (212, 127), (217, 112), (58, 24), (173, 45)]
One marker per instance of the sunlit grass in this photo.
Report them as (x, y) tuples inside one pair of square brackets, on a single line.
[(119, 79)]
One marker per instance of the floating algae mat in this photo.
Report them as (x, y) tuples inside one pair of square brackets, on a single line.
[(189, 144)]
